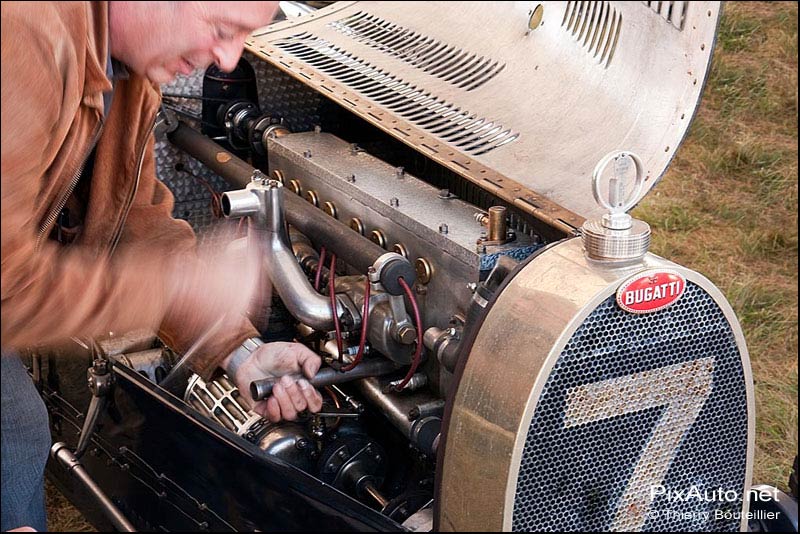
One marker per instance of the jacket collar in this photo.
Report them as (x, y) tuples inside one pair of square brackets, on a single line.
[(97, 53)]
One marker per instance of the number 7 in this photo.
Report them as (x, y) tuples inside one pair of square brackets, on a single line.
[(683, 388)]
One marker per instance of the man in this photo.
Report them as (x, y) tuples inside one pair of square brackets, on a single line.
[(88, 242)]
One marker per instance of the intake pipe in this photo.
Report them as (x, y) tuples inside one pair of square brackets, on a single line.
[(262, 202)]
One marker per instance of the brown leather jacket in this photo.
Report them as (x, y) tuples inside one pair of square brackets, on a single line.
[(113, 276)]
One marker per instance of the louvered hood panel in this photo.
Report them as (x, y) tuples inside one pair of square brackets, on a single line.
[(525, 113)]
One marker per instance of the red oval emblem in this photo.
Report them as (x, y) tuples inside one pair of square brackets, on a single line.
[(650, 291)]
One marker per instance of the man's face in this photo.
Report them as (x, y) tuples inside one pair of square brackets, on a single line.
[(185, 36)]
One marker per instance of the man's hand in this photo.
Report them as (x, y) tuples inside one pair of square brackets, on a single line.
[(293, 393)]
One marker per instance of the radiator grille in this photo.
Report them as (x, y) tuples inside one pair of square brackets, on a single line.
[(636, 401)]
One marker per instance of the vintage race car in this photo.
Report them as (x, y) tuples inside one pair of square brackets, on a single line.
[(508, 355)]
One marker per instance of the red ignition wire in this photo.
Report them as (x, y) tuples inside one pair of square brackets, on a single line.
[(332, 293), (418, 352), (216, 198), (321, 263), (362, 344)]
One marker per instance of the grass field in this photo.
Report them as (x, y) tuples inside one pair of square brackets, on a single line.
[(728, 209)]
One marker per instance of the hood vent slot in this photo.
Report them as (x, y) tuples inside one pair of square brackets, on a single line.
[(672, 12), (471, 133), (454, 65), (596, 26)]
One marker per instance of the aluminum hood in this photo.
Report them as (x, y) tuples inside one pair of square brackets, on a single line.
[(521, 98)]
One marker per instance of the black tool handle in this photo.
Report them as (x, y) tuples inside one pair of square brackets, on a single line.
[(261, 389)]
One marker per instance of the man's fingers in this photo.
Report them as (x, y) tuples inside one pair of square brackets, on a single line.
[(269, 409), (273, 410), (293, 391), (288, 411), (309, 362), (312, 396)]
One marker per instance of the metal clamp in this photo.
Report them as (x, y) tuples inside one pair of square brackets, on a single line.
[(100, 381), (241, 354), (166, 122)]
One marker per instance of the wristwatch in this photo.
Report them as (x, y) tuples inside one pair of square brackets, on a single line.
[(240, 354)]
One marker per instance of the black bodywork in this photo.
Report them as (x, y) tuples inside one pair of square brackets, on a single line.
[(170, 469)]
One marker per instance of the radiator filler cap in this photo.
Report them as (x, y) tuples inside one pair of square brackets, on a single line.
[(616, 237)]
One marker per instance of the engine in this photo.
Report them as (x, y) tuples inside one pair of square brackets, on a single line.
[(440, 199)]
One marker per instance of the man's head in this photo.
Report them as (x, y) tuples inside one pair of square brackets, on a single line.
[(162, 39)]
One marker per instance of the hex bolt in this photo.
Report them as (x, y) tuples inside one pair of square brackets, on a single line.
[(443, 228), (351, 178), (407, 334), (394, 202), (400, 172), (307, 154), (357, 225)]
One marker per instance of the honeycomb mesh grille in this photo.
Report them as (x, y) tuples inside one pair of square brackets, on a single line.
[(623, 387)]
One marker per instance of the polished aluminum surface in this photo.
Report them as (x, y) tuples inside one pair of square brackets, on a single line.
[(523, 112), (604, 244), (616, 236), (420, 209), (526, 333), (263, 203), (362, 186)]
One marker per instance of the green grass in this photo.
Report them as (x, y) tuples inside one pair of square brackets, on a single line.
[(727, 208)]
